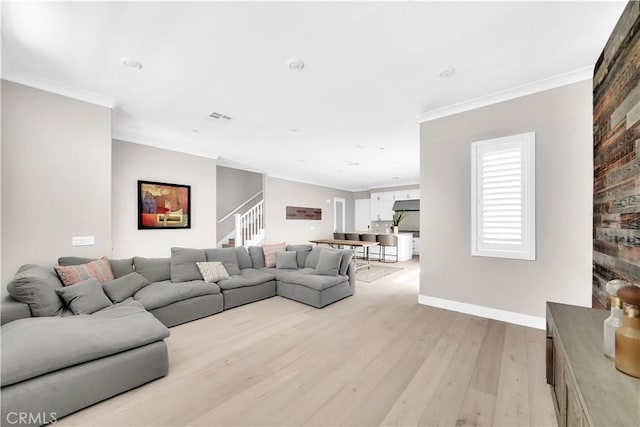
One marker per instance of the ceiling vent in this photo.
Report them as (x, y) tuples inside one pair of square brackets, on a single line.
[(220, 117)]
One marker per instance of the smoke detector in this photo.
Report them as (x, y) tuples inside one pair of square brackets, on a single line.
[(447, 72), (295, 64), (131, 63)]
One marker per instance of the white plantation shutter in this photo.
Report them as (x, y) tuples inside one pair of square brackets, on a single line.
[(503, 197)]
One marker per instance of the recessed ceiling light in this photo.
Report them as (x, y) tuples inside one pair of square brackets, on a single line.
[(447, 72), (131, 63), (353, 163), (195, 130), (359, 146), (294, 130), (295, 64), (302, 160), (381, 148), (395, 177)]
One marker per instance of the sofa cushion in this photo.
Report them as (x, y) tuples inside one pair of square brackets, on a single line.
[(247, 277), (312, 258), (302, 252), (328, 263), (183, 264), (160, 294), (257, 256), (154, 269), (67, 341), (244, 260), (36, 286), (270, 253), (212, 271), (227, 256), (124, 287), (85, 297), (99, 269), (313, 281), (286, 259), (347, 256), (279, 272), (119, 267)]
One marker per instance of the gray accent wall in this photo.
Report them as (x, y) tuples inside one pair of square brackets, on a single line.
[(132, 162), (56, 177), (280, 193), (234, 187), (562, 120)]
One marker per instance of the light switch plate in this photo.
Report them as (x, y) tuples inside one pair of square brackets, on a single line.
[(83, 241)]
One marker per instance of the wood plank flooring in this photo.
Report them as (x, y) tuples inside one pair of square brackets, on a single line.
[(377, 358)]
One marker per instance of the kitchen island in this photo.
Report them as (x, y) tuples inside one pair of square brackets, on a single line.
[(404, 249)]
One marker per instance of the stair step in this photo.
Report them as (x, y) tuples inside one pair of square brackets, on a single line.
[(228, 245), (232, 241)]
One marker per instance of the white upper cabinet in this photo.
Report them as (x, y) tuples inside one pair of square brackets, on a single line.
[(382, 202)]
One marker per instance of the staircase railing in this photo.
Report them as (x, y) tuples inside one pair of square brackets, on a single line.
[(249, 224)]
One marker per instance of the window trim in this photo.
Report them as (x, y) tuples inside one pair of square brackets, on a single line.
[(526, 143)]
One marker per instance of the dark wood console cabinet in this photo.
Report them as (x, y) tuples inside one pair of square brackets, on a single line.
[(587, 388)]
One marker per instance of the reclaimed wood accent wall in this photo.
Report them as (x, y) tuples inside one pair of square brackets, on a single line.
[(296, 212), (616, 138)]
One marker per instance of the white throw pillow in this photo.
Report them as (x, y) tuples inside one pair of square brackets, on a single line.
[(212, 271)]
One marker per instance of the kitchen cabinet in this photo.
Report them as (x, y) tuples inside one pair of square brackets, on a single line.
[(382, 202), (416, 246), (382, 206), (587, 389)]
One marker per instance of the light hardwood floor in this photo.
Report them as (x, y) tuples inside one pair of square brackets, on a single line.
[(377, 358)]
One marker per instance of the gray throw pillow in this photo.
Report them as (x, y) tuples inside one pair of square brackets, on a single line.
[(257, 256), (183, 264), (227, 256), (244, 259), (347, 256), (85, 297), (124, 287), (286, 259), (312, 258), (302, 252), (154, 269), (36, 286), (329, 263)]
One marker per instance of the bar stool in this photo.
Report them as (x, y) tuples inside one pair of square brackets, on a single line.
[(386, 240), (354, 236), (368, 238)]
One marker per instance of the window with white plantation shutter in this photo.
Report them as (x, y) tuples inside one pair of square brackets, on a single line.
[(503, 197)]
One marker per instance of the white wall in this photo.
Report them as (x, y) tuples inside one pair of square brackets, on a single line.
[(132, 162), (280, 193), (56, 177), (562, 120)]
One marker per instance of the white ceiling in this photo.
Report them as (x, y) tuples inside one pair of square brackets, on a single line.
[(371, 70)]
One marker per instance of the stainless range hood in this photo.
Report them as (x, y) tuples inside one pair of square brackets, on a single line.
[(406, 205)]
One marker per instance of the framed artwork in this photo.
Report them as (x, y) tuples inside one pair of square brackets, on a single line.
[(296, 212), (163, 206)]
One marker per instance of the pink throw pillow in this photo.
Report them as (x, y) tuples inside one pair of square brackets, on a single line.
[(99, 269), (270, 252)]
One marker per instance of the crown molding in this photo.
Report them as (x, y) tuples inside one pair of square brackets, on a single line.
[(571, 77), (61, 89)]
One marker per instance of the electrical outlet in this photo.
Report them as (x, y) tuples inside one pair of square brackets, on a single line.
[(83, 241)]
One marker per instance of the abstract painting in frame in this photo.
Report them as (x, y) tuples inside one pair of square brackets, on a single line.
[(163, 206)]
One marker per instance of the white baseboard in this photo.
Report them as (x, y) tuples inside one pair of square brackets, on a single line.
[(486, 312)]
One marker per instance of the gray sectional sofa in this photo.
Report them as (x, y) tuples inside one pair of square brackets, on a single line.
[(88, 352)]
